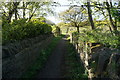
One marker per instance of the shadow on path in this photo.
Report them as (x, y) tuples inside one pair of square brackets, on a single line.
[(52, 68)]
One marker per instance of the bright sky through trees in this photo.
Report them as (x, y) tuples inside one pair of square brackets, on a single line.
[(58, 9)]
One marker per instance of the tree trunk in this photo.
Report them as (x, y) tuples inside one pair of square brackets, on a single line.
[(12, 11), (23, 10), (15, 9), (110, 17), (32, 14), (107, 22), (90, 16), (78, 29), (16, 14), (110, 29), (10, 16)]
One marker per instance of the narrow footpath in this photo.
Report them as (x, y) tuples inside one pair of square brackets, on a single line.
[(52, 68)]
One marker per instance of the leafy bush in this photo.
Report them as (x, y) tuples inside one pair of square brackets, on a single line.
[(97, 36), (20, 29)]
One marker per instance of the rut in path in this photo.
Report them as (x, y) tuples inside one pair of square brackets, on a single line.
[(52, 68)]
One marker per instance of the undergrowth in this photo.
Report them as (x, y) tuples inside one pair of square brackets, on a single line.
[(75, 69)]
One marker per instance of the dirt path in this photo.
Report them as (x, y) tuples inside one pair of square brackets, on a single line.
[(52, 68)]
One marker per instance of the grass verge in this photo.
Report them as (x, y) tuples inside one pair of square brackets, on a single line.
[(41, 60), (74, 68)]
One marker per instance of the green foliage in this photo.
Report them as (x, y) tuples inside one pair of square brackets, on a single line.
[(20, 29), (97, 36), (75, 68), (56, 30), (116, 14)]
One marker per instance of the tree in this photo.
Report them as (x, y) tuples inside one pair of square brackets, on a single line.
[(9, 8), (90, 15), (110, 16), (109, 11), (73, 15), (87, 4), (35, 9)]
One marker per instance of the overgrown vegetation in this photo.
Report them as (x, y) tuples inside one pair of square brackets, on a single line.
[(20, 29), (42, 58), (75, 68), (84, 16), (97, 36)]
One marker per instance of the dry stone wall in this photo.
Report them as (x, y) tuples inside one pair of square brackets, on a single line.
[(102, 62), (17, 57)]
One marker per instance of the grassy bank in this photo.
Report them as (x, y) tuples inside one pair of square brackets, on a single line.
[(74, 69), (41, 60)]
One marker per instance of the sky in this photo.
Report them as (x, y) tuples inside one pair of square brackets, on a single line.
[(58, 9)]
